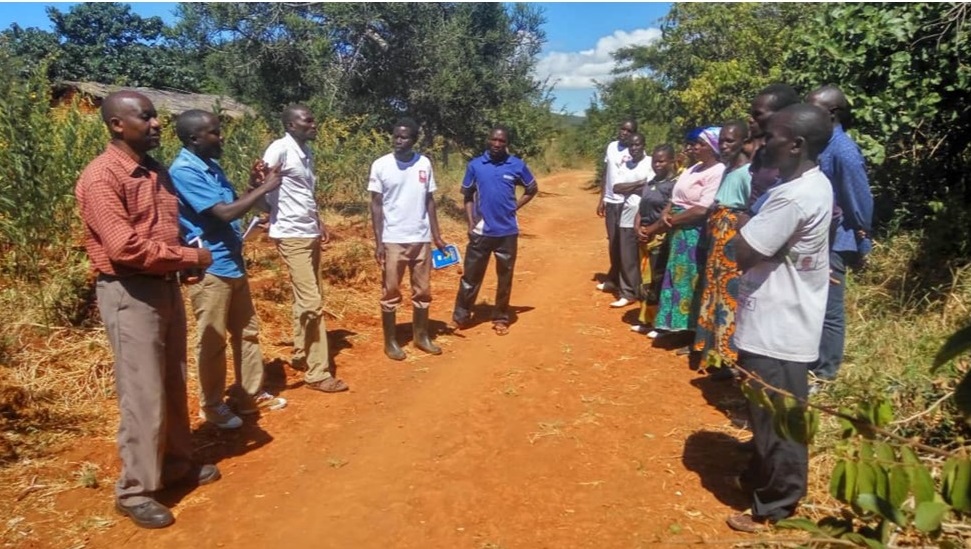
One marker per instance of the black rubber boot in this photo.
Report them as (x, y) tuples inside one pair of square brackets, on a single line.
[(391, 347), (420, 331)]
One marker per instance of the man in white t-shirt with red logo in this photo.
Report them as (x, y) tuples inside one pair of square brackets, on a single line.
[(405, 224), (783, 252)]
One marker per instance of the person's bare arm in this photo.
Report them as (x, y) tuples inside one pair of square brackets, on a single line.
[(745, 255), (254, 197), (377, 223), (433, 222), (630, 188), (468, 197), (531, 190)]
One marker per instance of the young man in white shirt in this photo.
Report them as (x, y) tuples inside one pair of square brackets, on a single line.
[(296, 226), (783, 252), (610, 205), (405, 224), (628, 184)]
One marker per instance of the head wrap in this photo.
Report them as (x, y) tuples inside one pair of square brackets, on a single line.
[(693, 135), (709, 136)]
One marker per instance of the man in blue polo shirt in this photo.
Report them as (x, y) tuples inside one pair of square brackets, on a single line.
[(209, 213), (489, 189)]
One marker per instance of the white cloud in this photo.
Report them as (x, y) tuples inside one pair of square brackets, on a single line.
[(578, 70)]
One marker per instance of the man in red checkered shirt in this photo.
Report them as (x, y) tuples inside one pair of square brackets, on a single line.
[(131, 229)]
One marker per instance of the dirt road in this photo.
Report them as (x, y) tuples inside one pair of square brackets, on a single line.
[(571, 431)]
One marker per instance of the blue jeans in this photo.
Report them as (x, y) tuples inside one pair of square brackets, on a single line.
[(834, 324)]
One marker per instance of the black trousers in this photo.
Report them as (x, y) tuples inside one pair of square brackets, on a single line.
[(780, 467), (476, 260)]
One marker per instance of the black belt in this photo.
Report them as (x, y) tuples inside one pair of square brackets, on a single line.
[(171, 276)]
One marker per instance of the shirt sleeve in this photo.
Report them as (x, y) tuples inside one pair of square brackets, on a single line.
[(274, 154), (374, 183), (468, 182), (710, 188), (104, 212), (432, 187), (648, 168), (195, 189), (526, 178), (773, 226), (853, 190)]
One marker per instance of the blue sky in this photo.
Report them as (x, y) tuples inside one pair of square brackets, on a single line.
[(580, 37)]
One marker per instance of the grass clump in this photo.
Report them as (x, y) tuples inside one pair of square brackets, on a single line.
[(899, 312)]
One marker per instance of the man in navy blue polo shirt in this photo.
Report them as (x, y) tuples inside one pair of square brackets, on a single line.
[(489, 189), (209, 213)]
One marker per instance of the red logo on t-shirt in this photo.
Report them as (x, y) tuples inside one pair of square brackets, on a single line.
[(422, 176)]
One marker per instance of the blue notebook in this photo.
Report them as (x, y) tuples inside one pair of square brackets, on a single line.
[(450, 257)]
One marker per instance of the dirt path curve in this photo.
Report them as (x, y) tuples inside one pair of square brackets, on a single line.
[(569, 432)]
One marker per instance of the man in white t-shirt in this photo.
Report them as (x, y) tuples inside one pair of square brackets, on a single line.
[(610, 205), (299, 233), (628, 184), (783, 252), (405, 224)]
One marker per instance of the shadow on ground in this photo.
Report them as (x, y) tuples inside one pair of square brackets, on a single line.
[(716, 457), (724, 396), (481, 314)]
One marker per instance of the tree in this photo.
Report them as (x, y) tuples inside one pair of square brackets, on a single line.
[(452, 66), (713, 58), (905, 69), (267, 54), (30, 44), (106, 42)]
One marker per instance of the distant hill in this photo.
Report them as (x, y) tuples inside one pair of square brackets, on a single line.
[(570, 120)]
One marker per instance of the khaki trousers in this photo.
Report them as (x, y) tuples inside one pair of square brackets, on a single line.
[(302, 257), (416, 257), (224, 305), (145, 321)]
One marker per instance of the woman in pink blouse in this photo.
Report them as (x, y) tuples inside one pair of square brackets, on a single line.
[(693, 194)]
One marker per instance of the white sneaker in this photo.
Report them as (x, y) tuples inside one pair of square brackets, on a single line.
[(639, 328), (606, 287), (263, 401), (653, 334), (622, 302), (221, 416)]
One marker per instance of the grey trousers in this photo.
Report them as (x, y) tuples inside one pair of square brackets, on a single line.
[(145, 321), (630, 263), (612, 220)]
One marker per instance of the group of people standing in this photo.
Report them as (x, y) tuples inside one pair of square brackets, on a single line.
[(745, 243), (743, 248), (149, 230)]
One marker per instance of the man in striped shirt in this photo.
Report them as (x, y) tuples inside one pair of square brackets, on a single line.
[(131, 233)]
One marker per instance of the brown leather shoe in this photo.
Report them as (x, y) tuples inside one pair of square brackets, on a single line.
[(329, 385), (745, 522)]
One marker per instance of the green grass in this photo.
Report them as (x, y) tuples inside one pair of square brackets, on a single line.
[(898, 316)]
